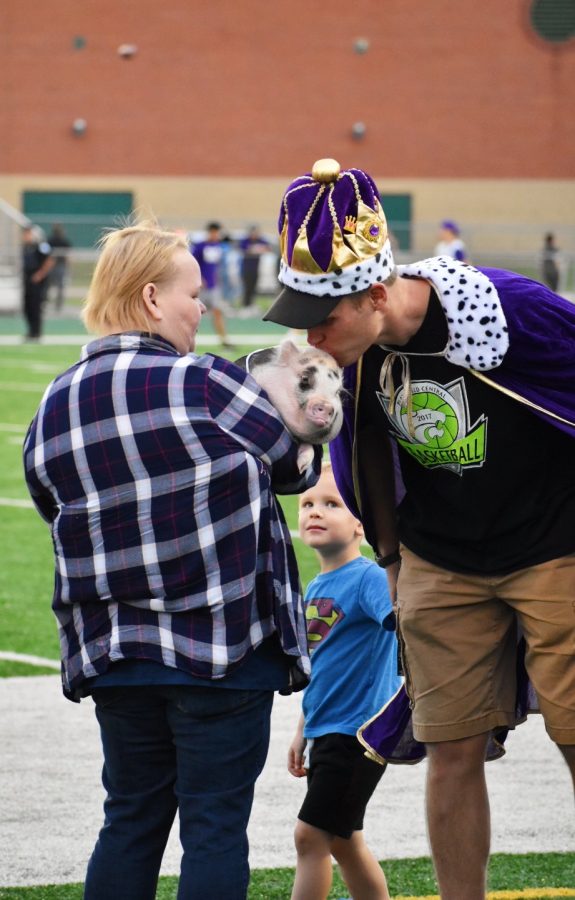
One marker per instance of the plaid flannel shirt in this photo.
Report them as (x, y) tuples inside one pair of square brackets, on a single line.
[(155, 472)]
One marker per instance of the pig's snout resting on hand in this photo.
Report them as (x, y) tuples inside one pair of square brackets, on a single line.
[(305, 386)]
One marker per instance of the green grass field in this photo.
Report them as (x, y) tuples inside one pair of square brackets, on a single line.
[(28, 626), (407, 878)]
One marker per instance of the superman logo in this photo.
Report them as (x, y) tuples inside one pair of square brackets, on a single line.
[(321, 615)]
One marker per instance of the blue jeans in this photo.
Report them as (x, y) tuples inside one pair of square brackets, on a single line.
[(171, 748)]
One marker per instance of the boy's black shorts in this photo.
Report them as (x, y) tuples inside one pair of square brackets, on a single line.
[(340, 782)]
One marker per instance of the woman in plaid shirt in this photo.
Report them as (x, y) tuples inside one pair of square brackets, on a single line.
[(176, 586)]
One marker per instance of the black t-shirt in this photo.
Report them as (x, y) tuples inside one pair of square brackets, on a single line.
[(489, 485)]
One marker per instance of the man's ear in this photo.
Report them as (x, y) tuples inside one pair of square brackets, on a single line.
[(378, 296), (150, 298)]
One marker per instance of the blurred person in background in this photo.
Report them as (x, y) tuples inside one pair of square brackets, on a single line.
[(210, 255), (37, 264), (252, 248), (550, 258), (450, 243), (229, 274), (176, 585), (60, 243)]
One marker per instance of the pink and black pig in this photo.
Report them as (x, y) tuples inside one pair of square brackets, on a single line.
[(305, 385)]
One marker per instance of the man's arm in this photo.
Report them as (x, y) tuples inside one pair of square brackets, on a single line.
[(44, 270), (377, 475)]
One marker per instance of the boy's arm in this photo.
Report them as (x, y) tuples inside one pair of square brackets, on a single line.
[(295, 752)]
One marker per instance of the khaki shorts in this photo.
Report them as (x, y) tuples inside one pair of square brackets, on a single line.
[(459, 636)]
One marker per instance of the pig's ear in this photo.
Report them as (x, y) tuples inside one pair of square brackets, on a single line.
[(287, 351)]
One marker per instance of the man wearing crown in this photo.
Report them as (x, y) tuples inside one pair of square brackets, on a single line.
[(457, 454)]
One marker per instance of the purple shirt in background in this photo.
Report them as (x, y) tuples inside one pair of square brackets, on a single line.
[(209, 256)]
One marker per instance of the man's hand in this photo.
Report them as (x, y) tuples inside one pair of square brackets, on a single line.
[(392, 573)]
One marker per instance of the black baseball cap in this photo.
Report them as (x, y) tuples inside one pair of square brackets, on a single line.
[(298, 310)]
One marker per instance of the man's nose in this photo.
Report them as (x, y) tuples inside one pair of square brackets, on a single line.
[(314, 336)]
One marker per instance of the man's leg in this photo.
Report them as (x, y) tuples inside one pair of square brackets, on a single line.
[(33, 297), (58, 283), (543, 598), (220, 326), (221, 737), (250, 278), (568, 751), (36, 309), (460, 643), (458, 816)]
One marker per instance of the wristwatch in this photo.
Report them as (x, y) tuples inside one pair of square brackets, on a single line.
[(389, 560)]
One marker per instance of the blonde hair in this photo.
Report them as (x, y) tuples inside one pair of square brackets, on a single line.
[(130, 258)]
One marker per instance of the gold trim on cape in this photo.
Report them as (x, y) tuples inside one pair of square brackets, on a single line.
[(515, 396)]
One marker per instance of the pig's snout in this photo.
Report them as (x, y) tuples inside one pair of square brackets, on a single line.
[(320, 411), (324, 419)]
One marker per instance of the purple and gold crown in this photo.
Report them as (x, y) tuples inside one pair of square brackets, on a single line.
[(333, 233)]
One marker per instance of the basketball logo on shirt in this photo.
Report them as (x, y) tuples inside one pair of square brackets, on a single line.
[(439, 434), (321, 615)]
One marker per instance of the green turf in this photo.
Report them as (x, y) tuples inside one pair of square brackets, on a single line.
[(26, 579), (10, 669), (405, 877)]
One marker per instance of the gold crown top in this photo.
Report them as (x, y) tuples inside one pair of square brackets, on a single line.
[(365, 232), (325, 170)]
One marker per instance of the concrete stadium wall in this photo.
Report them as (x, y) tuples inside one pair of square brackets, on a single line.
[(509, 215)]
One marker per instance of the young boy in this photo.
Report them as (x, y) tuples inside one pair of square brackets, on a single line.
[(354, 672)]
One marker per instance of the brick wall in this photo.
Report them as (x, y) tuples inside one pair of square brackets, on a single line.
[(446, 89)]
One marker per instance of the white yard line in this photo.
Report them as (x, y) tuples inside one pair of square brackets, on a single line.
[(15, 429), (15, 340), (23, 386), (20, 504), (37, 367), (204, 340), (30, 660)]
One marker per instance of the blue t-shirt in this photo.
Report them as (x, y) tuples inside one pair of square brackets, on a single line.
[(353, 648)]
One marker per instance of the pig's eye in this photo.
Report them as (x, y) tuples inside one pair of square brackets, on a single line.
[(306, 378)]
